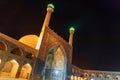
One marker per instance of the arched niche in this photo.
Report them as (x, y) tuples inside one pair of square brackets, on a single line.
[(30, 56), (86, 75), (93, 75), (73, 70), (108, 76), (25, 71), (17, 51), (76, 71), (55, 64), (10, 69), (3, 46), (117, 77), (79, 72), (100, 75)]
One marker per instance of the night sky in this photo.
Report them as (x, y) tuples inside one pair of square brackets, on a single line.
[(97, 37)]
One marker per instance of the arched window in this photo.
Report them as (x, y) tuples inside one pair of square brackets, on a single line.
[(17, 51), (3, 46)]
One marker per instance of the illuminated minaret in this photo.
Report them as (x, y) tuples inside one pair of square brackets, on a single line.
[(71, 30), (50, 9)]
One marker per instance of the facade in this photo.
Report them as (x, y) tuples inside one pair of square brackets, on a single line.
[(46, 57), (16, 59)]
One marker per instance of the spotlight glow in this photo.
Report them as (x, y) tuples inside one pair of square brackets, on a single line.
[(56, 72)]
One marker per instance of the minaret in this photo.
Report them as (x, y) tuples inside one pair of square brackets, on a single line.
[(71, 30), (50, 9)]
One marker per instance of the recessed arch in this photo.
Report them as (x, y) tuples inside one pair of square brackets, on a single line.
[(108, 76), (73, 70), (86, 75), (30, 56), (100, 75), (55, 64), (92, 75), (25, 71), (3, 46), (117, 77), (10, 69), (17, 51), (79, 72)]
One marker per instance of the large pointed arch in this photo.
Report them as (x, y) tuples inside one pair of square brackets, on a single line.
[(55, 65)]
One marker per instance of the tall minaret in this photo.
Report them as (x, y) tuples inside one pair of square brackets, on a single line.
[(71, 30), (50, 9)]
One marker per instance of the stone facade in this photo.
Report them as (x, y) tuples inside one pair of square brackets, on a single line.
[(50, 40), (13, 52)]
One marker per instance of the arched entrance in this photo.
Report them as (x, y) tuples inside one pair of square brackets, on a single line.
[(25, 71), (55, 66), (9, 69)]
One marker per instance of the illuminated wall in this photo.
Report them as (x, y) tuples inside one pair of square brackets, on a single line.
[(54, 66), (15, 58)]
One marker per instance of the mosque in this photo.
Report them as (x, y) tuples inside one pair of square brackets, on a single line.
[(44, 57)]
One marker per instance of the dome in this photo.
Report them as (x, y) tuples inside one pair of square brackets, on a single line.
[(30, 40)]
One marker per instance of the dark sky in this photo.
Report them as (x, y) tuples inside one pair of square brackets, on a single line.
[(97, 22)]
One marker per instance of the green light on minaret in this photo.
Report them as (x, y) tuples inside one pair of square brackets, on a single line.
[(72, 29), (51, 6)]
